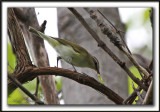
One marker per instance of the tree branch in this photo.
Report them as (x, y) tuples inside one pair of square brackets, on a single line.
[(37, 51), (17, 41), (114, 37), (149, 95), (18, 45), (105, 48), (80, 78), (18, 84), (20, 14), (33, 72), (116, 30), (131, 97)]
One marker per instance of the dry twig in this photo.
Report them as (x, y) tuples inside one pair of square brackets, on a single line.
[(106, 49)]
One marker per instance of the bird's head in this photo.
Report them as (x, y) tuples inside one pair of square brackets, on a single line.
[(96, 68), (96, 65)]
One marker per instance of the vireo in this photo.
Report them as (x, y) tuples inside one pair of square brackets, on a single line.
[(70, 52)]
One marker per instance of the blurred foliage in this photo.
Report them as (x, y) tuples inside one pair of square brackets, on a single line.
[(11, 59), (58, 80), (136, 73), (18, 96), (139, 19), (31, 87), (142, 20), (146, 15)]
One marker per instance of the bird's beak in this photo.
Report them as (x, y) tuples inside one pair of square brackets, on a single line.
[(98, 71)]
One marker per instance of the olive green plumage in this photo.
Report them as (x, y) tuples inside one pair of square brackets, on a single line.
[(71, 52)]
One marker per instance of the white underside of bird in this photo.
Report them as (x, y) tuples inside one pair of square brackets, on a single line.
[(70, 56), (70, 52)]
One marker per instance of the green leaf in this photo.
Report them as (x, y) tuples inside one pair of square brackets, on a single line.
[(146, 15), (11, 58), (58, 80)]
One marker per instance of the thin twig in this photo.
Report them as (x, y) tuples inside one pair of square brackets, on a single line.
[(37, 84), (106, 49), (10, 66), (149, 95), (131, 98), (140, 68), (117, 31), (108, 21), (18, 84), (138, 93), (139, 96), (113, 37)]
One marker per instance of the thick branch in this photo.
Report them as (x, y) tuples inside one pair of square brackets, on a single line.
[(105, 48), (18, 45), (20, 14), (17, 41), (27, 17), (80, 78)]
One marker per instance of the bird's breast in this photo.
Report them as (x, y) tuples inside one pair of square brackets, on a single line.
[(69, 55)]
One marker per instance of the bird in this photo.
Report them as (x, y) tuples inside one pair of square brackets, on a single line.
[(70, 52)]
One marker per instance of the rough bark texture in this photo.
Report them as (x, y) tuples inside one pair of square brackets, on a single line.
[(27, 17), (114, 77), (17, 41)]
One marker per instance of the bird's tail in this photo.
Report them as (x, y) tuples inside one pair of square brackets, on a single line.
[(38, 33), (51, 40), (100, 78)]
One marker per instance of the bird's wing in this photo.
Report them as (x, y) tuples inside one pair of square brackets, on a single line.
[(76, 47)]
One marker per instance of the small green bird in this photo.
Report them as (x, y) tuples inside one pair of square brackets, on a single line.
[(70, 52)]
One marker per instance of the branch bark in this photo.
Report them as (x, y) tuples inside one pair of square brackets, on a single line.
[(114, 38), (17, 41), (105, 48), (27, 17), (18, 84), (149, 95), (80, 78)]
